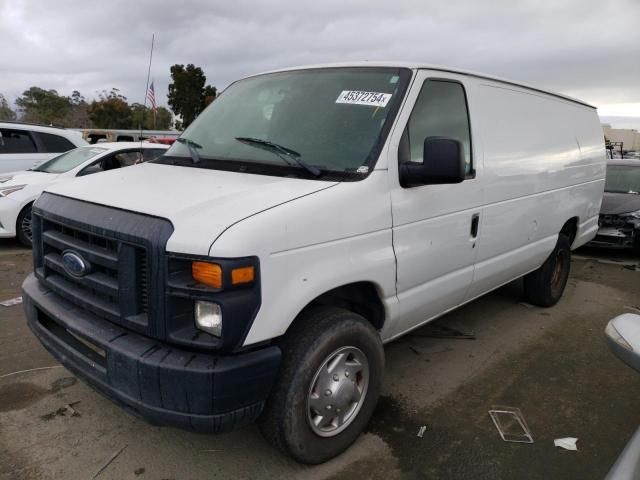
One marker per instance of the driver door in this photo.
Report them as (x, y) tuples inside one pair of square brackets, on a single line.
[(436, 228)]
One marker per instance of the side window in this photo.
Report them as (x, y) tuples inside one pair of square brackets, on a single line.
[(95, 167), (110, 162), (440, 110), (54, 143), (126, 159), (152, 153), (16, 141), (94, 137)]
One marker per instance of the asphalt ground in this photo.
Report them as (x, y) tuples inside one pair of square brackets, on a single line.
[(553, 364)]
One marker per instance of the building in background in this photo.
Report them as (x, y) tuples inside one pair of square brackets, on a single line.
[(629, 137)]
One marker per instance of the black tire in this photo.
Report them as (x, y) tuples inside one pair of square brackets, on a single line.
[(23, 226), (544, 287), (314, 337)]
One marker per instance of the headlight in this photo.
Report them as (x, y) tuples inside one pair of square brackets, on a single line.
[(4, 191), (613, 334), (208, 316), (635, 214)]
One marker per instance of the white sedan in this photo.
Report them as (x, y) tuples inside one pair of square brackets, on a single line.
[(18, 190)]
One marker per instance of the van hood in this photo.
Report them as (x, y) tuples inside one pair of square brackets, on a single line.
[(619, 203), (200, 203)]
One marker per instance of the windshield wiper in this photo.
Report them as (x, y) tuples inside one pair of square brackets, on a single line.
[(280, 151), (192, 146)]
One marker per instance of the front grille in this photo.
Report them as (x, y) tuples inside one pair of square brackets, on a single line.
[(126, 253), (118, 273)]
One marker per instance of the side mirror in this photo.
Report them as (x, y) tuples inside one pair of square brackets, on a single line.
[(443, 162), (623, 336)]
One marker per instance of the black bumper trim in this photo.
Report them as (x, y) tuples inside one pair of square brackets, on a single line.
[(150, 379)]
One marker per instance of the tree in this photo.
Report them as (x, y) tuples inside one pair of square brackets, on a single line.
[(78, 117), (5, 111), (111, 110), (208, 95), (44, 106), (164, 119), (141, 116), (187, 92)]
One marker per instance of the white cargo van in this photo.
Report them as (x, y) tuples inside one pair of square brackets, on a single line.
[(304, 219)]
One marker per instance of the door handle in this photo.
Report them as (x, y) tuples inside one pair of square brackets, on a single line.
[(475, 221)]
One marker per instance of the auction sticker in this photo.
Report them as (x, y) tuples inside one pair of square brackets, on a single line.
[(357, 97)]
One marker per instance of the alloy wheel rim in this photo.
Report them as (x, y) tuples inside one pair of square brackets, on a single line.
[(558, 270), (25, 226)]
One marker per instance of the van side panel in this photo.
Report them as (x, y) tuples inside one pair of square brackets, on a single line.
[(544, 163)]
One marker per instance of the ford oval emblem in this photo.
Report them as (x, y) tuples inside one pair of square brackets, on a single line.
[(74, 264)]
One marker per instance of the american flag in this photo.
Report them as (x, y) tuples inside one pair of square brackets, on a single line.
[(151, 96)]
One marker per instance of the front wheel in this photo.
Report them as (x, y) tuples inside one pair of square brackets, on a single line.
[(23, 226), (544, 286), (328, 386)]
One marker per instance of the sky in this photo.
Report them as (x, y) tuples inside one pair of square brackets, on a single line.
[(587, 49)]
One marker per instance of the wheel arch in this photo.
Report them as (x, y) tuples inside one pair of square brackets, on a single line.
[(570, 229), (361, 297)]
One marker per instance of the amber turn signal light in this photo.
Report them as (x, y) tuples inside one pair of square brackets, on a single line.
[(209, 274), (242, 275)]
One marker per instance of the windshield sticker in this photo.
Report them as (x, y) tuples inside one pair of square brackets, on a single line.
[(356, 97), (394, 79), (363, 169)]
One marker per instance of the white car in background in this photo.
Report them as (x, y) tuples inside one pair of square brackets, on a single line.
[(18, 190), (24, 145)]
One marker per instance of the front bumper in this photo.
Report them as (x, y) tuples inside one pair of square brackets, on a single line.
[(9, 210), (160, 383)]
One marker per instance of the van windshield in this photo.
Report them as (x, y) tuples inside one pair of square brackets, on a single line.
[(68, 160), (318, 123)]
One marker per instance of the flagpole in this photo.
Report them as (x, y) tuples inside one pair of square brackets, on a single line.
[(146, 90)]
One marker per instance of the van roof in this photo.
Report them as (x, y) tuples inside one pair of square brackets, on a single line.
[(440, 68)]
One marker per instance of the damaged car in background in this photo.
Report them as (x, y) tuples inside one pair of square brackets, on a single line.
[(619, 220)]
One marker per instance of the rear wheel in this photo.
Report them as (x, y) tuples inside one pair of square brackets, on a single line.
[(545, 286), (23, 226), (328, 386)]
